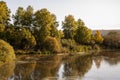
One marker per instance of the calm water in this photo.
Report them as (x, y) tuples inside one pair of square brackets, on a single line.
[(103, 67)]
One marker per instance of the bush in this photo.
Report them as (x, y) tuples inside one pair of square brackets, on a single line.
[(83, 48), (68, 43), (52, 44), (6, 52), (71, 45)]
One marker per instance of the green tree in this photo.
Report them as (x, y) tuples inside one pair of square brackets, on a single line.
[(20, 38), (83, 34), (4, 17), (69, 26), (28, 17), (98, 37), (54, 31), (24, 17), (18, 17), (43, 22), (28, 40), (61, 34)]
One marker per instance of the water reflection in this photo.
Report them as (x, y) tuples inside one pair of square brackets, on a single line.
[(98, 60), (113, 57), (24, 71), (77, 66), (57, 67), (7, 70)]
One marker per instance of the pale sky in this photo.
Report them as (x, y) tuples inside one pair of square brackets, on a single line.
[(97, 14)]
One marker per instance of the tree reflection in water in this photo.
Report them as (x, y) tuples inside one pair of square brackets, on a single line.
[(47, 68), (24, 71), (77, 66), (52, 67), (7, 70), (98, 60), (111, 57), (36, 70)]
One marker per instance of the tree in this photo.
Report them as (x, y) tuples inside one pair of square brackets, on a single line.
[(2, 28), (54, 31), (4, 13), (28, 40), (28, 17), (83, 34), (20, 38), (43, 22), (24, 17), (112, 40), (4, 17), (98, 37), (69, 27), (18, 17)]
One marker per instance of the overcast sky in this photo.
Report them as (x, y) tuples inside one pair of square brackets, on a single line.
[(97, 14)]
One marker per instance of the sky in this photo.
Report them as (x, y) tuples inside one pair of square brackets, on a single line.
[(97, 14)]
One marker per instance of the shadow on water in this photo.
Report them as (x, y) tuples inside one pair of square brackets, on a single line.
[(56, 67)]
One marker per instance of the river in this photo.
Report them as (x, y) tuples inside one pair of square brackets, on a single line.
[(105, 66)]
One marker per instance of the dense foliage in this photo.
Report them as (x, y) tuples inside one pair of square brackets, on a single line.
[(98, 37), (83, 35), (38, 31), (69, 27), (52, 44), (6, 52)]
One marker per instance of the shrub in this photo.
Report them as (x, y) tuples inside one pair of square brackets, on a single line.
[(6, 52), (52, 44), (83, 48), (71, 45), (68, 43)]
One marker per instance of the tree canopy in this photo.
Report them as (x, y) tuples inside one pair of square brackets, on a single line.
[(38, 29), (69, 27), (83, 34)]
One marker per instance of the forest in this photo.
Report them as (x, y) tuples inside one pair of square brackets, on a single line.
[(29, 32)]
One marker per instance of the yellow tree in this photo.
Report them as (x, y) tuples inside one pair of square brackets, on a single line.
[(43, 22), (98, 37), (4, 17), (4, 13)]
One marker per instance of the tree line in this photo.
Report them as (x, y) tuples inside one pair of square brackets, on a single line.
[(38, 30)]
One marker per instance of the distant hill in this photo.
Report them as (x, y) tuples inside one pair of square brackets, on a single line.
[(104, 32)]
